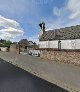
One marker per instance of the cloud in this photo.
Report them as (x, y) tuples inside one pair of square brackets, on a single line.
[(10, 30), (67, 15), (4, 22), (71, 6), (74, 7), (41, 2), (56, 11), (12, 7)]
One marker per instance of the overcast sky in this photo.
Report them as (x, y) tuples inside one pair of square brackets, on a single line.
[(20, 18)]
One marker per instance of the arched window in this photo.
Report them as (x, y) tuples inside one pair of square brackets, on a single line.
[(59, 44)]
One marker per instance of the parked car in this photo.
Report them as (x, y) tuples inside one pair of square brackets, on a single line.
[(34, 53), (23, 53)]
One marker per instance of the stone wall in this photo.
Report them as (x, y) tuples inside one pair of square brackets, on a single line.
[(67, 56), (14, 50)]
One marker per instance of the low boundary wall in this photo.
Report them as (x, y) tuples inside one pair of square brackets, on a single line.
[(67, 56)]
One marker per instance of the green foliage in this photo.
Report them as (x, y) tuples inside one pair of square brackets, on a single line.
[(23, 42), (5, 43)]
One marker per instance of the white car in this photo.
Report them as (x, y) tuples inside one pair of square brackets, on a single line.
[(23, 53), (34, 53)]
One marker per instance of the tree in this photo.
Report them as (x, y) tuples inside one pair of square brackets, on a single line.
[(23, 42), (7, 43)]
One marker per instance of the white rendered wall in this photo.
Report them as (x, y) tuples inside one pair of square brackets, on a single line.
[(77, 45), (53, 44), (43, 44), (48, 44), (65, 44), (3, 48)]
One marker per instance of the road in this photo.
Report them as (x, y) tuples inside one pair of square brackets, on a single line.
[(64, 75), (14, 79)]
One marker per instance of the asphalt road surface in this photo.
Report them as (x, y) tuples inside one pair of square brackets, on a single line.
[(14, 79)]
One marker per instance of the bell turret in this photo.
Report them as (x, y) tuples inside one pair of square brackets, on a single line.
[(42, 30)]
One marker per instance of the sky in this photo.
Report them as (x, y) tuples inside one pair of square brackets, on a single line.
[(19, 19)]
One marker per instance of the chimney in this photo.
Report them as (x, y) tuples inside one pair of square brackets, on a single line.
[(42, 30)]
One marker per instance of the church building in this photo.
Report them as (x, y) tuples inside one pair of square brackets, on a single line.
[(60, 44)]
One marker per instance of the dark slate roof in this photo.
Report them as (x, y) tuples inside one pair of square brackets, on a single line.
[(31, 43), (72, 32)]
